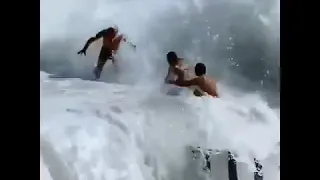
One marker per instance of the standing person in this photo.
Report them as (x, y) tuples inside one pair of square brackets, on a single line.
[(110, 44)]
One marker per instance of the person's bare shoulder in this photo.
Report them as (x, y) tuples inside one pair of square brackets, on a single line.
[(214, 81), (198, 81), (201, 78), (211, 80)]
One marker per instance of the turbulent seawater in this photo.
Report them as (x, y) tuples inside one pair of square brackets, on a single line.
[(125, 127)]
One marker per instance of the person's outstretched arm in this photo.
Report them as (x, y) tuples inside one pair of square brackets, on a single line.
[(187, 83), (91, 40), (181, 81)]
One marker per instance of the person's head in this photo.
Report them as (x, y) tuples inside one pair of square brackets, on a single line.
[(112, 32), (200, 69), (173, 59)]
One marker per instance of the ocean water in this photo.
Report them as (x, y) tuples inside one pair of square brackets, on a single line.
[(125, 127)]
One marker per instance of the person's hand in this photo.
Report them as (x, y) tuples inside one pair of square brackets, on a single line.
[(178, 71), (82, 51), (132, 45)]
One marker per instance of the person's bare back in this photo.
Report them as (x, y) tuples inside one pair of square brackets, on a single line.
[(204, 83), (207, 85)]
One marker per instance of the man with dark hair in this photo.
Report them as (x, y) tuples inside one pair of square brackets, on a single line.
[(110, 45), (205, 84)]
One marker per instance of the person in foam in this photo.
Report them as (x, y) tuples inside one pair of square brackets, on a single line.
[(175, 62), (205, 85), (110, 45)]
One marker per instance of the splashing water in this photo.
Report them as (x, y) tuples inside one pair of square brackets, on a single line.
[(102, 131), (96, 130)]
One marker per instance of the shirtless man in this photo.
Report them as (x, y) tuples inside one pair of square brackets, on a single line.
[(111, 43), (206, 84)]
